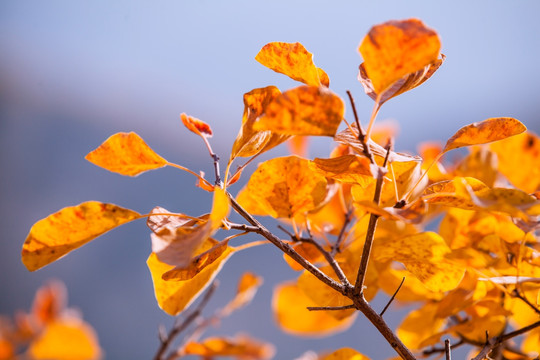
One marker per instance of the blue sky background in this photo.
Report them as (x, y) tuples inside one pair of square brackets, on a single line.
[(73, 73)]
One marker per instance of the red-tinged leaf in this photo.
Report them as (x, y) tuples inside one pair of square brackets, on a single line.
[(49, 302), (196, 126), (305, 110), (241, 347), (58, 234), (346, 168), (484, 132), (406, 83), (395, 49), (126, 154), (293, 60)]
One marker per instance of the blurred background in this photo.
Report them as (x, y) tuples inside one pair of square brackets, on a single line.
[(72, 73)]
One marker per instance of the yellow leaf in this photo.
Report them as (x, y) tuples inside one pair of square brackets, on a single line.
[(283, 187), (476, 327), (344, 354), (406, 83), (289, 306), (59, 233), (412, 288), (484, 132), (419, 325), (523, 149), (69, 339), (175, 244), (247, 288), (242, 347), (424, 255), (305, 110), (250, 142), (175, 296), (395, 49), (345, 168), (307, 251), (196, 126), (293, 60), (454, 193), (480, 164), (126, 154)]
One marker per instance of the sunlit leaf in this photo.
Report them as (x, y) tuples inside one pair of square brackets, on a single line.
[(345, 168), (283, 187), (424, 255), (480, 164), (395, 49), (241, 347), (308, 251), (344, 354), (126, 154), (305, 110), (406, 83), (59, 233), (49, 302), (523, 149), (476, 328), (289, 305), (412, 289), (419, 325), (454, 192), (175, 296), (298, 145), (293, 60), (247, 288), (196, 126), (484, 132), (69, 339)]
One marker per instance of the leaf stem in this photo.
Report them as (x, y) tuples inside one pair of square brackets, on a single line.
[(191, 172)]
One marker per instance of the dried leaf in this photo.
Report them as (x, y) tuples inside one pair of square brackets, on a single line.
[(345, 354), (523, 149), (484, 132), (126, 154), (293, 60), (196, 126), (289, 306), (395, 49), (69, 339), (59, 233), (305, 110), (242, 348), (406, 83), (282, 188), (346, 168)]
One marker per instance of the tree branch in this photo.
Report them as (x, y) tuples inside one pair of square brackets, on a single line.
[(323, 308), (361, 136), (393, 297), (339, 240)]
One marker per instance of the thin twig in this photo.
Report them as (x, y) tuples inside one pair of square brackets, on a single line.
[(393, 297), (337, 245), (361, 136), (447, 349), (323, 308), (438, 350), (180, 326), (370, 235), (517, 294), (243, 227)]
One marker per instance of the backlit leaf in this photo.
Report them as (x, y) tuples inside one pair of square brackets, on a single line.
[(175, 296), (70, 339), (484, 132), (283, 187), (196, 126), (241, 347), (395, 49), (345, 168), (293, 60), (419, 325), (406, 83), (305, 110), (59, 233), (247, 288), (289, 306), (126, 154), (424, 255), (523, 149), (344, 354), (475, 328), (49, 302)]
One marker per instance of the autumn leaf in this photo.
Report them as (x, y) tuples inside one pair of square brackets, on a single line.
[(484, 132), (49, 303), (346, 168), (196, 126), (69, 339), (395, 49), (241, 347), (126, 154), (66, 230), (305, 110), (289, 305), (282, 188), (293, 60), (419, 325), (247, 288), (344, 354)]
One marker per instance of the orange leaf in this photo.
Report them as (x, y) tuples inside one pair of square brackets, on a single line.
[(293, 60), (247, 288), (59, 233), (305, 110), (283, 187), (406, 83), (242, 347), (395, 49), (196, 126), (344, 354), (175, 296), (69, 339), (289, 305), (419, 325), (523, 149), (49, 302), (346, 168), (484, 132), (126, 154)]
